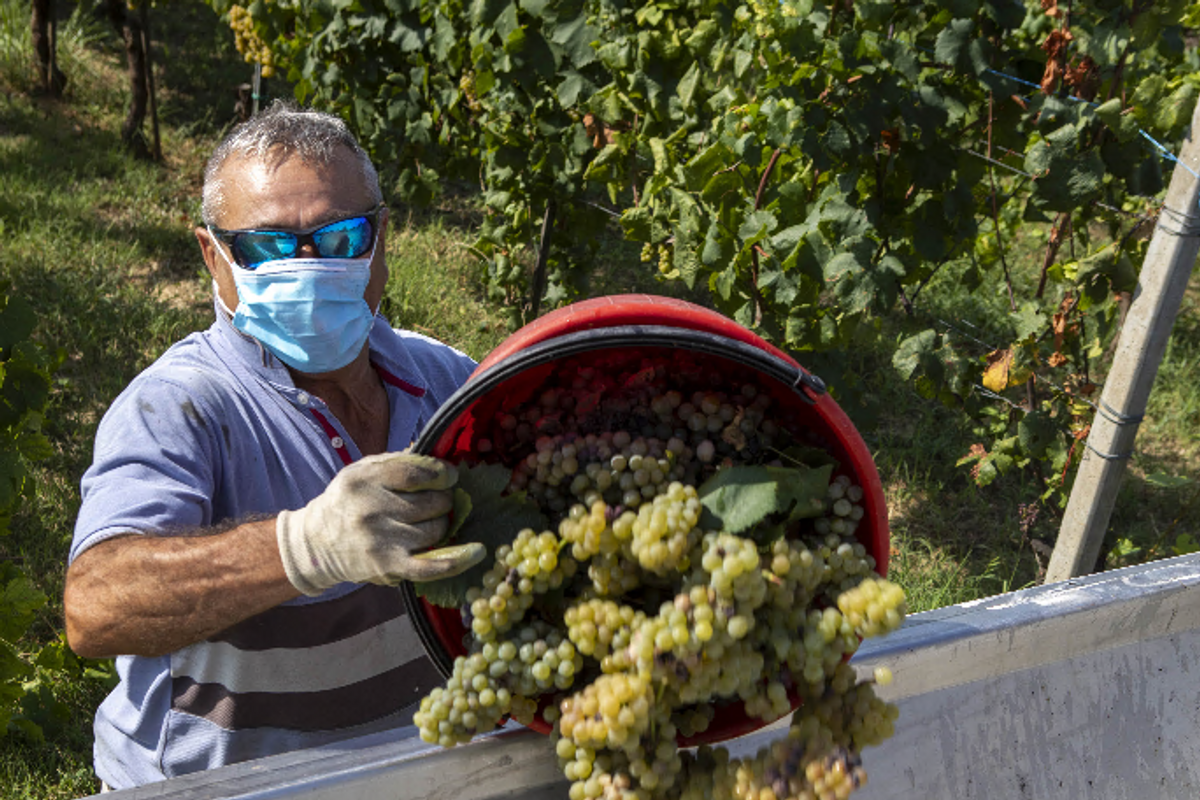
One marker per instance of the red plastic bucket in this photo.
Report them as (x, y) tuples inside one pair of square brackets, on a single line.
[(632, 326)]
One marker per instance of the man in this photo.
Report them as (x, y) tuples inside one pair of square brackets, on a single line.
[(247, 511)]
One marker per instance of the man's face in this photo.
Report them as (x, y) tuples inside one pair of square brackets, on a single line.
[(290, 196)]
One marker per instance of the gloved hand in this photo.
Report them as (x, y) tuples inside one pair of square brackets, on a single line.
[(369, 522)]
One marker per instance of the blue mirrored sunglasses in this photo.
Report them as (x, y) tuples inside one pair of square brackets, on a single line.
[(345, 238)]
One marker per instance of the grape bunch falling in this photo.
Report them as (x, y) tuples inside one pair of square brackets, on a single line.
[(700, 554)]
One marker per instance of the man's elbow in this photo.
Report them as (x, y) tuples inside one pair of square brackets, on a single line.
[(95, 609), (86, 630)]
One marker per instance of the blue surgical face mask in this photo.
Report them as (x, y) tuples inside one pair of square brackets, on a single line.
[(309, 312)]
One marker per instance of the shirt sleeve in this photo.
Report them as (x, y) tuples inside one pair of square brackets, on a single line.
[(154, 463)]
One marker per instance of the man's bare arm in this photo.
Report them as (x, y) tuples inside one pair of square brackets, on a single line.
[(152, 595)]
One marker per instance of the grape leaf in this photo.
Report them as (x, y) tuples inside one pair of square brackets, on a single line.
[(802, 490), (809, 457), (953, 41), (13, 669), (1163, 480), (1037, 432), (742, 497), (481, 514), (1029, 320), (19, 602), (17, 318)]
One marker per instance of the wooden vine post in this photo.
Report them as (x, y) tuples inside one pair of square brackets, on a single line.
[(538, 289), (1161, 285)]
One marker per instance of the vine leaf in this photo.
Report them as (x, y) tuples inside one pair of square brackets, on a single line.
[(575, 38), (569, 89), (915, 353), (1065, 179), (1104, 269), (1146, 98), (688, 85), (997, 375), (1036, 432), (743, 496), (485, 12), (699, 170), (20, 600), (1030, 320), (1112, 114), (482, 513), (1164, 480), (953, 40), (718, 246), (1176, 109)]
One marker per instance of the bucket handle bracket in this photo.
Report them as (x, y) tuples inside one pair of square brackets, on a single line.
[(808, 386)]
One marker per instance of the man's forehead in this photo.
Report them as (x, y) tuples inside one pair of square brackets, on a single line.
[(268, 171), (273, 189)]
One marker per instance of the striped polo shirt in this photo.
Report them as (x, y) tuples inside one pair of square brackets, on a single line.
[(214, 431)]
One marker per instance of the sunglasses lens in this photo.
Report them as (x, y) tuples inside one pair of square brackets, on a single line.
[(255, 247), (349, 238)]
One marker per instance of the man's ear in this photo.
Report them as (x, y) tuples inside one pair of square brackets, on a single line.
[(218, 267), (208, 250)]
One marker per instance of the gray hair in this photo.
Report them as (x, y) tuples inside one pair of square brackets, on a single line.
[(284, 130)]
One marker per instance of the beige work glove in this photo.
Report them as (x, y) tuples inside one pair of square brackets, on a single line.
[(369, 523)]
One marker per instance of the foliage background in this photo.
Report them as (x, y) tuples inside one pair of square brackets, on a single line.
[(815, 166)]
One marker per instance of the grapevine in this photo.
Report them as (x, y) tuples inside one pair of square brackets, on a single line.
[(26, 378), (816, 166), (639, 612)]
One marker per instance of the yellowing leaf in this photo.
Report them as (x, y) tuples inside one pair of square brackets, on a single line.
[(996, 373)]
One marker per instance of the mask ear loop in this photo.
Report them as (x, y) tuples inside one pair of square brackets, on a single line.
[(221, 302), (370, 260), (232, 266)]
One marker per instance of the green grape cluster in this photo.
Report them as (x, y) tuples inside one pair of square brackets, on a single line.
[(637, 616), (527, 567), (466, 85), (661, 534), (662, 254), (248, 41), (597, 626)]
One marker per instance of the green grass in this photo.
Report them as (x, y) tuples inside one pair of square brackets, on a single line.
[(102, 245)]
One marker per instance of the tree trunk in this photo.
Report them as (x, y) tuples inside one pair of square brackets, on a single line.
[(42, 26), (130, 28), (156, 142)]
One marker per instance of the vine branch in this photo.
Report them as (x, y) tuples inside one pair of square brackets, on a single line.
[(758, 196), (1012, 300)]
